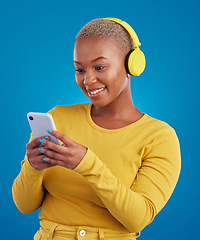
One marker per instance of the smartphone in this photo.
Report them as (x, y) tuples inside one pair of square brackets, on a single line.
[(40, 123)]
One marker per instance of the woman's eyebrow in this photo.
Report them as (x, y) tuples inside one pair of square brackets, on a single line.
[(76, 62), (92, 60), (98, 58)]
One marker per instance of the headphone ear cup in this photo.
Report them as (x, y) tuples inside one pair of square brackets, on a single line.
[(135, 62)]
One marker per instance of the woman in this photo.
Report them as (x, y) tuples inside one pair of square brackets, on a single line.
[(117, 167)]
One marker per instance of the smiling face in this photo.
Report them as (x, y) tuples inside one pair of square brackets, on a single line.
[(100, 70)]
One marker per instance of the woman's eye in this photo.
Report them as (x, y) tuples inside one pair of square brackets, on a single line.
[(98, 68), (80, 70)]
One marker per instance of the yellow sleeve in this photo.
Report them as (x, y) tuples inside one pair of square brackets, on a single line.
[(136, 207), (27, 189)]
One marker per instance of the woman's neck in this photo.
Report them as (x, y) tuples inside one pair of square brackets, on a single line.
[(117, 114)]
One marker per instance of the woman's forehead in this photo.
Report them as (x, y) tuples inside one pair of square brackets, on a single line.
[(95, 47)]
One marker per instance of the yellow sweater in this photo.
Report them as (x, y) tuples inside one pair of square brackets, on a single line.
[(124, 180)]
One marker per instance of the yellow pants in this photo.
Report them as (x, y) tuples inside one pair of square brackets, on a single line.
[(50, 230)]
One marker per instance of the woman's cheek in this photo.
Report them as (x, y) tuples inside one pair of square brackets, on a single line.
[(78, 80)]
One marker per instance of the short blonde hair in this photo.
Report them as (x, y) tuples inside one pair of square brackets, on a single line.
[(106, 28)]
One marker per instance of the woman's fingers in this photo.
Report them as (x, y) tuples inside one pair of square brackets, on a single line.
[(34, 152), (35, 142), (43, 153), (53, 161), (40, 163), (60, 136), (53, 146), (36, 155), (50, 153), (68, 155)]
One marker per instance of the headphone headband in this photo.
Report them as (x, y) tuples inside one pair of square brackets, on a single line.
[(129, 29), (135, 59)]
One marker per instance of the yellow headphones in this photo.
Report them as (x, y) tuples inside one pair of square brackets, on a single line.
[(135, 59)]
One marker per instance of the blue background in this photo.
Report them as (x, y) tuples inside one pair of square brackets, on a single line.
[(37, 73)]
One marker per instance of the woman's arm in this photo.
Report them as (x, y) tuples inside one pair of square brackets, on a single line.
[(27, 190), (136, 207)]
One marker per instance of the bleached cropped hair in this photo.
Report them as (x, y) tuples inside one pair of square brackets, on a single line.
[(106, 28)]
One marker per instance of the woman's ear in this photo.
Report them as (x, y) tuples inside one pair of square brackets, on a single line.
[(128, 75)]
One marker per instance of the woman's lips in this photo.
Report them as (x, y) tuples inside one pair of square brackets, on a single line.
[(95, 92)]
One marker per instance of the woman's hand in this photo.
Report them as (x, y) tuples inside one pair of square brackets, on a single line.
[(35, 156), (68, 155)]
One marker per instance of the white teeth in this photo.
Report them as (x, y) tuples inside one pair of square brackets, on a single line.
[(96, 91)]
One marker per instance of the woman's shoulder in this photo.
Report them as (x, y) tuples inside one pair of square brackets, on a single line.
[(158, 127), (69, 116), (69, 109), (157, 122)]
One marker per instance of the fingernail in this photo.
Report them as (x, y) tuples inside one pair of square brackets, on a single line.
[(46, 137), (49, 131), (40, 149), (41, 140), (44, 159)]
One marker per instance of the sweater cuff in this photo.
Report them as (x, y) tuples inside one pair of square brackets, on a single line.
[(87, 162), (31, 170)]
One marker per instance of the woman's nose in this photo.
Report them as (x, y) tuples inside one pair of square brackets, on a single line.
[(89, 78)]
